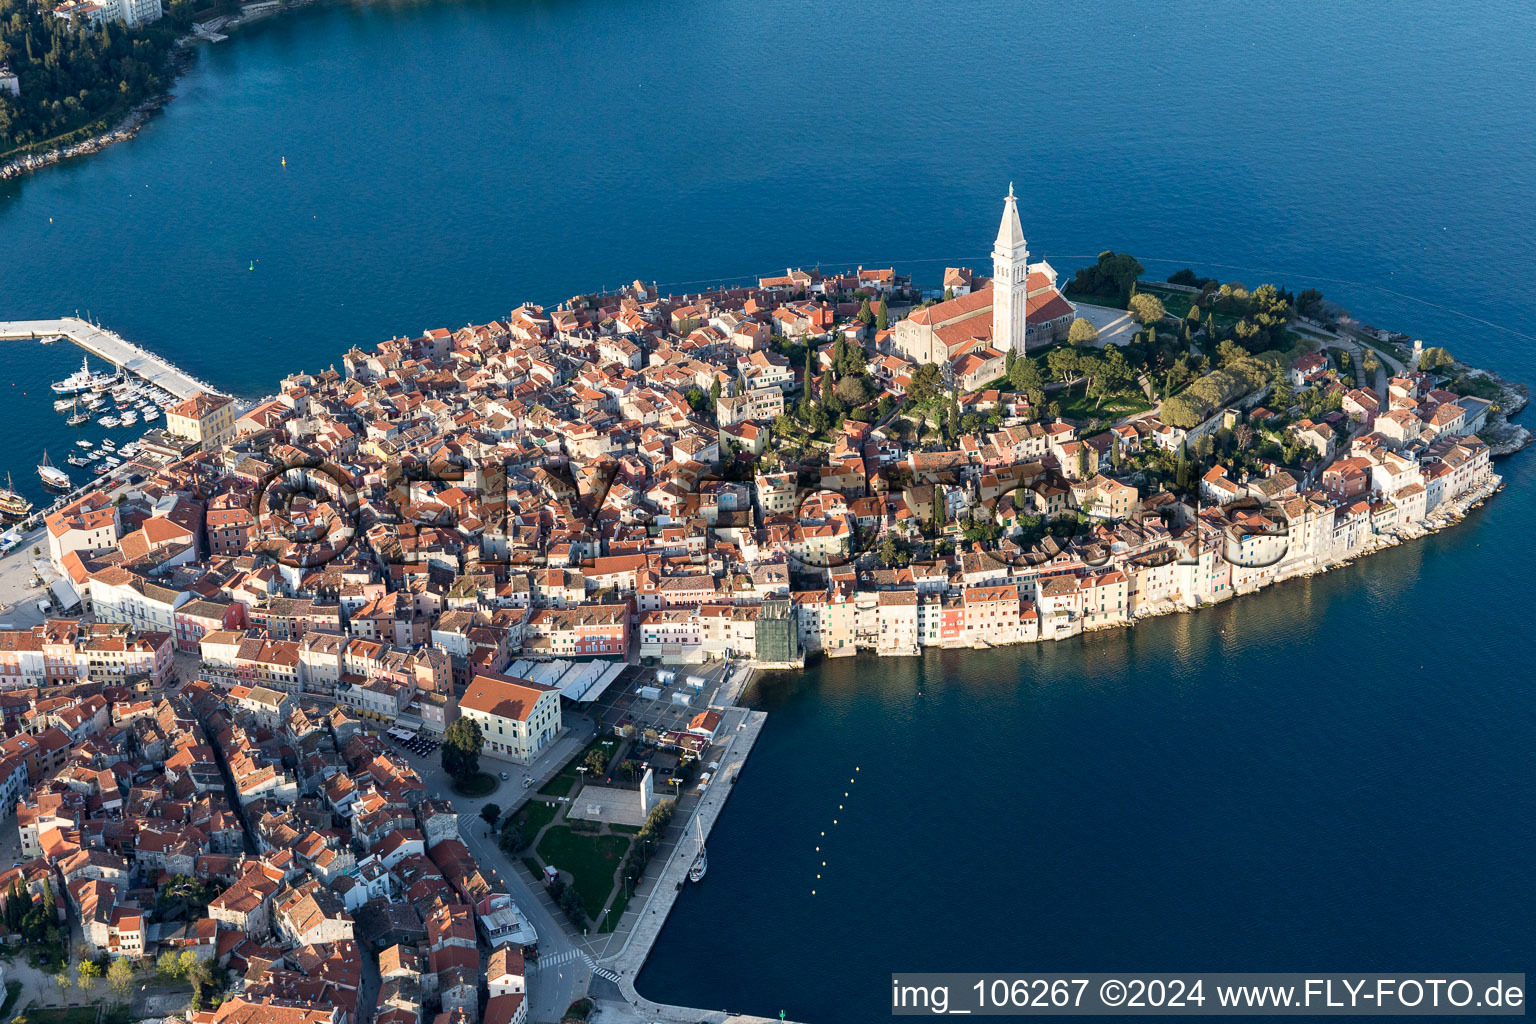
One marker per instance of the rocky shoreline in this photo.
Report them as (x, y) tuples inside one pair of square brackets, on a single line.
[(127, 128)]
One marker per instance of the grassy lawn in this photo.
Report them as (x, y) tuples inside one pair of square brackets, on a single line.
[(479, 784), (531, 817), (62, 1014), (591, 861), (1076, 405), (616, 912), (1112, 301)]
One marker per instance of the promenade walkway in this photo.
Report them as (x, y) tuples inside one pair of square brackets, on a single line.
[(112, 347)]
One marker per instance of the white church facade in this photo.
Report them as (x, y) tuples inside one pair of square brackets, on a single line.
[(1020, 308)]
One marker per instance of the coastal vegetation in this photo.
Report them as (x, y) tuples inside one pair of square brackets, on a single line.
[(75, 80)]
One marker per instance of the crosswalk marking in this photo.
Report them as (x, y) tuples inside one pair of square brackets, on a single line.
[(557, 960)]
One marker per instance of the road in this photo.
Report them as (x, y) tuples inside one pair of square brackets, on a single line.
[(561, 974)]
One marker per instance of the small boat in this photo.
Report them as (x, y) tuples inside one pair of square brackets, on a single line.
[(701, 861), (130, 418), (111, 421), (12, 503), (108, 443), (83, 443), (52, 475), (112, 461), (102, 470), (78, 417), (50, 339), (95, 402), (151, 414), (63, 404), (94, 456), (76, 459)]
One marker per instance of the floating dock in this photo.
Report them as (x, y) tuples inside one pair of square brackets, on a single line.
[(104, 344)]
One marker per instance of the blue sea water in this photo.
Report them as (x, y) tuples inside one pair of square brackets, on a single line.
[(1333, 776)]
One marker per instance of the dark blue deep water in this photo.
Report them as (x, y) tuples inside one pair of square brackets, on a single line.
[(1336, 775)]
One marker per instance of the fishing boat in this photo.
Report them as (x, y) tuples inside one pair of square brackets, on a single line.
[(84, 380), (700, 862), (76, 459), (78, 417), (11, 503), (52, 475)]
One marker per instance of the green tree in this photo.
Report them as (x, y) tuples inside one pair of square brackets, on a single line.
[(852, 391), (1082, 461), (596, 761), (461, 749), (120, 977), (926, 383), (714, 395), (1146, 308), (1082, 332), (1063, 363), (866, 315), (1114, 274), (1024, 375), (570, 902), (168, 965), (883, 315), (86, 973), (490, 812)]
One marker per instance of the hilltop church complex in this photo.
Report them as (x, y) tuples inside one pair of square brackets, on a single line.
[(972, 332)]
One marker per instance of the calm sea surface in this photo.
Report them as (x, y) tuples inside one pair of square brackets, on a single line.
[(1336, 775)]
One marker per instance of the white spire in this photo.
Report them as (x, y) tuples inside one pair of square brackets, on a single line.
[(1010, 280), (1010, 233)]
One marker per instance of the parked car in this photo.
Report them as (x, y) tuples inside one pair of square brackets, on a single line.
[(504, 776)]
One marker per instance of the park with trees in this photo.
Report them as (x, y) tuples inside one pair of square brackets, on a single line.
[(76, 80)]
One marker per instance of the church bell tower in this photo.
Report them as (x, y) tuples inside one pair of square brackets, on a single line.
[(1010, 280)]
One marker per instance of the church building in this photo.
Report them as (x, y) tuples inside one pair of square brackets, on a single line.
[(1019, 308)]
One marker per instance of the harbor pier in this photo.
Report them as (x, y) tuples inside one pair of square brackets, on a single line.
[(105, 344)]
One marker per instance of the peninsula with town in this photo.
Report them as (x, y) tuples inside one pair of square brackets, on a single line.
[(411, 693)]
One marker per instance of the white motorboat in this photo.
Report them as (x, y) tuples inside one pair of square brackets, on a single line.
[(111, 421), (83, 443), (130, 418), (108, 443), (63, 405), (701, 861), (76, 459), (151, 414)]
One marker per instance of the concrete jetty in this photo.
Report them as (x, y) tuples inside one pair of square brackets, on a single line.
[(112, 347)]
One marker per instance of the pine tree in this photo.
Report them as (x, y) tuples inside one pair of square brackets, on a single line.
[(882, 316)]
